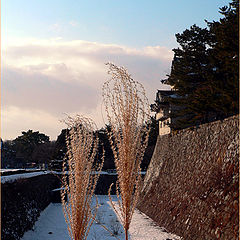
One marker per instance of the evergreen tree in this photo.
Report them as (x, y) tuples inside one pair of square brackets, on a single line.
[(8, 154), (104, 146), (27, 142), (225, 60), (60, 146), (204, 71), (188, 74), (43, 153), (152, 139)]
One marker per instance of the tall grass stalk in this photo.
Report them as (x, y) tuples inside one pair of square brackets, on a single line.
[(127, 110), (80, 176)]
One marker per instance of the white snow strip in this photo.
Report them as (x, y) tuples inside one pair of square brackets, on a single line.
[(51, 225), (10, 170), (18, 169), (14, 177)]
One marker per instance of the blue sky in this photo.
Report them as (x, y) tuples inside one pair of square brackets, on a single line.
[(134, 23), (54, 53)]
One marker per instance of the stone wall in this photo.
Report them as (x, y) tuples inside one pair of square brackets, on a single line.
[(22, 201), (191, 186)]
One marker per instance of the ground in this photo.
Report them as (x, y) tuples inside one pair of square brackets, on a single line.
[(51, 225)]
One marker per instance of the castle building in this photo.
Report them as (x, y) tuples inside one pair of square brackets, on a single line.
[(163, 110)]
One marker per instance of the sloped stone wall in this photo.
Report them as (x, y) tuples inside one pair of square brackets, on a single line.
[(191, 186)]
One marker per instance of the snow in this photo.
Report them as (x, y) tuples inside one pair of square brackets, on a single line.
[(57, 189), (51, 225), (18, 169), (14, 177), (10, 170)]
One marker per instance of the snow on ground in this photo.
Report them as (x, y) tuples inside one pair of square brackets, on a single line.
[(3, 170), (10, 170), (51, 225), (12, 178)]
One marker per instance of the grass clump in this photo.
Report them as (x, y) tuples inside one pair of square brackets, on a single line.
[(127, 110), (80, 176)]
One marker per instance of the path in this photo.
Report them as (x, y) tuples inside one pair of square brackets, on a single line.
[(51, 225)]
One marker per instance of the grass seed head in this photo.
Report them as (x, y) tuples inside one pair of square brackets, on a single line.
[(127, 110)]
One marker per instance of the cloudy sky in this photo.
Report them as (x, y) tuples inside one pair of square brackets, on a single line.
[(54, 54)]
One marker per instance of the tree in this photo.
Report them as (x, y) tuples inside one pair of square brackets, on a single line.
[(204, 71), (43, 153), (8, 154), (104, 146), (152, 139), (60, 146), (190, 66), (225, 60), (27, 142)]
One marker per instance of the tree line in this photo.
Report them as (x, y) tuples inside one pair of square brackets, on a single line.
[(34, 149)]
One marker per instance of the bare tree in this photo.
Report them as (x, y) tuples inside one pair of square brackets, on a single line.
[(80, 176), (127, 110)]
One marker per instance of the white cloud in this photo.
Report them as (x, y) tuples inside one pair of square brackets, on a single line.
[(55, 76), (15, 120)]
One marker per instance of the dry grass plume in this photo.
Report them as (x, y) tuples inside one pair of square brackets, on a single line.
[(127, 110), (80, 176)]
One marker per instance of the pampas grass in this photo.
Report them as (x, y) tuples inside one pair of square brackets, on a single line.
[(127, 110), (80, 176)]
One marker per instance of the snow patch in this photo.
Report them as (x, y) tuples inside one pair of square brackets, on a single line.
[(14, 177), (51, 225)]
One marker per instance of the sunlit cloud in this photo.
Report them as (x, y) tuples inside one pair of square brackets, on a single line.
[(15, 120), (53, 76)]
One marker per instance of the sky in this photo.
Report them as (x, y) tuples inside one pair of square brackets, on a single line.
[(54, 54)]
